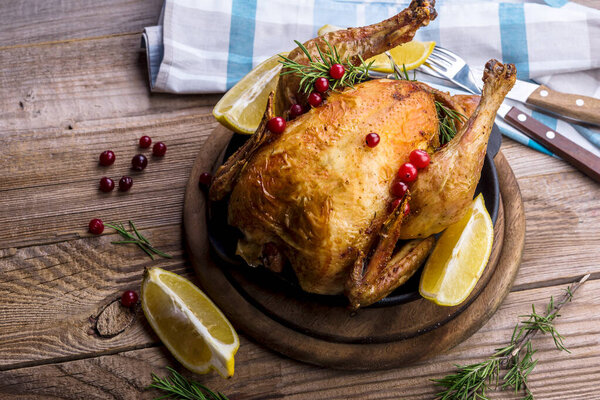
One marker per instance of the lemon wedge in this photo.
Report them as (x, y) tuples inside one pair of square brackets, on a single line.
[(328, 28), (459, 257), (194, 330), (243, 106), (411, 55)]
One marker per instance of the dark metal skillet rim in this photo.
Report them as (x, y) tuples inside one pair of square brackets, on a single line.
[(222, 241)]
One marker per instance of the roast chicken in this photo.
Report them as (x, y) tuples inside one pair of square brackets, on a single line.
[(316, 198)]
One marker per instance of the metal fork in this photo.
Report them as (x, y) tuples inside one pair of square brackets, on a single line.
[(441, 64), (444, 64)]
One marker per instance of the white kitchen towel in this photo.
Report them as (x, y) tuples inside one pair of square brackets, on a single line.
[(206, 46)]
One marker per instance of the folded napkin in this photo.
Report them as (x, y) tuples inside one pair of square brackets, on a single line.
[(206, 46)]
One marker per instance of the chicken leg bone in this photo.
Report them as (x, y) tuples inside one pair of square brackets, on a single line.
[(366, 41), (443, 190)]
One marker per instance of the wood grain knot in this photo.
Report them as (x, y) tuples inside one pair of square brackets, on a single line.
[(113, 319)]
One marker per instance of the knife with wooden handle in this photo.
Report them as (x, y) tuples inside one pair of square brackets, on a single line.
[(571, 106), (571, 152)]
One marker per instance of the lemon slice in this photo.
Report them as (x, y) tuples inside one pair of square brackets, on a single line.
[(188, 323), (328, 28), (243, 106), (411, 55), (459, 257)]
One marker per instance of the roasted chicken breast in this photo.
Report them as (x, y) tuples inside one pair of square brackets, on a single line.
[(318, 192)]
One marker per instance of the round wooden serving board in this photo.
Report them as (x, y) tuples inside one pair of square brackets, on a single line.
[(332, 336)]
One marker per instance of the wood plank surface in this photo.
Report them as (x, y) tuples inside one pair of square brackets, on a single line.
[(63, 285), (60, 84), (562, 238), (34, 201), (72, 84), (262, 374), (33, 21)]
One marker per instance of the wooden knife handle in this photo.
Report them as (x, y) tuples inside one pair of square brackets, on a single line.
[(571, 152), (581, 108)]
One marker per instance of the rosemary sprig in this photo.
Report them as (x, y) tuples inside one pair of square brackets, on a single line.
[(401, 75), (177, 386), (138, 239), (319, 68), (474, 380), (448, 120)]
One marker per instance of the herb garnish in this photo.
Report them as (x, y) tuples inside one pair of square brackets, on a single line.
[(178, 387), (448, 120), (138, 239), (447, 117), (355, 74), (472, 381), (320, 68), (401, 75)]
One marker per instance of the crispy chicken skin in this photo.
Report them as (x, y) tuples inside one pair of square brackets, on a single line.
[(316, 197), (318, 190)]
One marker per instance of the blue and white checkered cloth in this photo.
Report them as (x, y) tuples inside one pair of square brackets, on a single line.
[(206, 46)]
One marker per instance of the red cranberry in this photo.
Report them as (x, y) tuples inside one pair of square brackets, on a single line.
[(337, 71), (96, 226), (276, 125), (125, 183), (145, 142), (139, 162), (296, 110), (107, 158), (322, 84), (159, 149), (394, 204), (399, 188), (129, 298), (407, 172), (205, 179), (419, 158), (315, 99), (106, 184), (372, 139), (406, 209)]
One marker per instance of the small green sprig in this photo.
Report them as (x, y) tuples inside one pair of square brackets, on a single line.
[(137, 239), (319, 68), (176, 386), (401, 74), (474, 380), (448, 121)]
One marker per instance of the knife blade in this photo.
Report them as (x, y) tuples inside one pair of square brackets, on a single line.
[(569, 151), (574, 107)]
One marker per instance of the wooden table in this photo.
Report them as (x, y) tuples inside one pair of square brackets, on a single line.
[(72, 84)]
